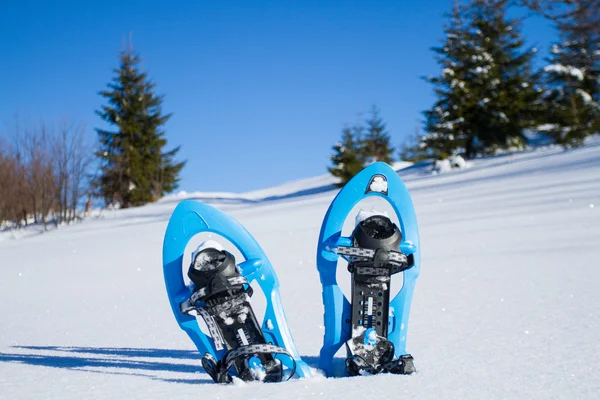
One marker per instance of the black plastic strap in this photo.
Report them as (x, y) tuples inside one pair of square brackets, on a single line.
[(356, 365), (202, 292), (190, 304), (219, 371), (375, 262)]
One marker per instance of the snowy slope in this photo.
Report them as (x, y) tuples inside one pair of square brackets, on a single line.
[(507, 306), (300, 187)]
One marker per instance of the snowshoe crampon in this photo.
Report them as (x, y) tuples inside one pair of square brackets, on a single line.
[(371, 325), (237, 344)]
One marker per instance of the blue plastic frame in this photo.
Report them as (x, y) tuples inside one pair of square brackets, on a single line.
[(192, 217), (337, 306)]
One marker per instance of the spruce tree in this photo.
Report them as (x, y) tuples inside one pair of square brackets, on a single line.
[(135, 168), (376, 144), (486, 91), (507, 93), (414, 149), (573, 75), (348, 158), (444, 122)]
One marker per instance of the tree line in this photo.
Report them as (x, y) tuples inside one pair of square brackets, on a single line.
[(43, 173), (488, 93), (49, 173)]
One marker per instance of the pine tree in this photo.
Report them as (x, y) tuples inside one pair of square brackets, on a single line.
[(414, 149), (444, 122), (376, 144), (486, 92), (135, 167), (573, 75), (506, 80), (348, 158)]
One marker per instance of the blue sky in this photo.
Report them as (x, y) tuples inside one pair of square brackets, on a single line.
[(259, 90)]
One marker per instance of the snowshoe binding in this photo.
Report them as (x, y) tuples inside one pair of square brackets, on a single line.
[(222, 295), (372, 260), (371, 324), (237, 343)]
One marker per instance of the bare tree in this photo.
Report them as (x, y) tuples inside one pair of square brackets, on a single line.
[(8, 188), (43, 173), (73, 157), (39, 171)]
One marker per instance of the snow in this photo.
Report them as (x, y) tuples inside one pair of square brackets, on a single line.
[(459, 162), (448, 71), (587, 98), (378, 185), (270, 324), (204, 263), (547, 127), (507, 305), (561, 69), (503, 116), (450, 164), (361, 215), (442, 166)]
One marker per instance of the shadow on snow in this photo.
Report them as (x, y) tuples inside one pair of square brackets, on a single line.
[(89, 359), (122, 359)]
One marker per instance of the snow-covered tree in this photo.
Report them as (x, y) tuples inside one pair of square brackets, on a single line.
[(348, 157), (444, 123), (486, 92), (507, 99), (573, 75), (414, 149), (376, 144)]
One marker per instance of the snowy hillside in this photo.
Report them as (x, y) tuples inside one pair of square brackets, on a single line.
[(507, 305)]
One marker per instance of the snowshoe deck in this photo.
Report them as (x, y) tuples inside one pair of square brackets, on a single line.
[(258, 350), (372, 326)]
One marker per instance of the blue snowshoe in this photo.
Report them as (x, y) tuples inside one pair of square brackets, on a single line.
[(238, 344), (372, 326)]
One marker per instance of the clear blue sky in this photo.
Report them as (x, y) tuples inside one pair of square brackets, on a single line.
[(259, 90)]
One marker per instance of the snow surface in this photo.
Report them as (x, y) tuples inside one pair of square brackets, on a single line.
[(507, 305)]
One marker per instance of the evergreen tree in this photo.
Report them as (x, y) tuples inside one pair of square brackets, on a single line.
[(509, 85), (414, 148), (135, 167), (348, 158), (486, 92), (573, 75), (376, 144), (444, 122)]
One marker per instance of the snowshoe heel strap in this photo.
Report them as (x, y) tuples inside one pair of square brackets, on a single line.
[(404, 365), (376, 357), (214, 369), (271, 371)]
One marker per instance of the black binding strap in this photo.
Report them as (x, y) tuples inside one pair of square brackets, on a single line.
[(375, 262), (376, 267), (200, 294), (356, 365), (219, 371)]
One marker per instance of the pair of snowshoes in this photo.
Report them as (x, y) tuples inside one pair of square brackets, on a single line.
[(235, 344)]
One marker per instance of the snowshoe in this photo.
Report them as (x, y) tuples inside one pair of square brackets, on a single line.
[(237, 344), (372, 326)]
